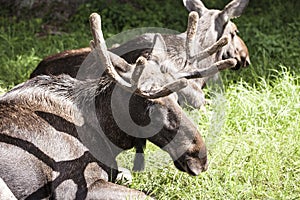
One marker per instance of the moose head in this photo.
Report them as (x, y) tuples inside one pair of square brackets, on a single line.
[(152, 113), (214, 24)]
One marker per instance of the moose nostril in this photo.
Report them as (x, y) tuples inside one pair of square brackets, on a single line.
[(205, 167), (204, 161), (247, 62), (245, 59)]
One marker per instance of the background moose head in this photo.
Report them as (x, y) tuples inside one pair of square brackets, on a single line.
[(216, 23)]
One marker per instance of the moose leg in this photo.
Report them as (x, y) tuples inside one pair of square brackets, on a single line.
[(102, 189), (139, 160)]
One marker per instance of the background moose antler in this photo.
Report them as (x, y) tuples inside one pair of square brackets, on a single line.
[(179, 51), (98, 44)]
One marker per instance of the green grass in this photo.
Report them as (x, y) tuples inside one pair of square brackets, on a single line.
[(255, 155), (251, 130), (22, 49), (2, 91)]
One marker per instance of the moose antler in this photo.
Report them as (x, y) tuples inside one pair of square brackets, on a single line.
[(191, 33), (98, 43), (190, 41), (192, 56), (213, 69)]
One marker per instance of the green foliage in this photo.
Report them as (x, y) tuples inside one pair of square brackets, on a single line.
[(2, 90), (22, 48), (118, 17), (269, 28)]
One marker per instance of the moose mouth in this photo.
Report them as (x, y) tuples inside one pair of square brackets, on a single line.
[(241, 62), (192, 166), (238, 65)]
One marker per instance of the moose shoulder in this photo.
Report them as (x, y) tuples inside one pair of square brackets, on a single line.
[(59, 136)]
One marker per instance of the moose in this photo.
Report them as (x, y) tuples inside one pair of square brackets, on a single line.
[(59, 136), (213, 25)]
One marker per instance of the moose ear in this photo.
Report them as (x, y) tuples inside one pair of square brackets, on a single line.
[(234, 9), (159, 46), (195, 5)]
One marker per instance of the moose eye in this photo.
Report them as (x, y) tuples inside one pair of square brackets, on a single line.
[(234, 33)]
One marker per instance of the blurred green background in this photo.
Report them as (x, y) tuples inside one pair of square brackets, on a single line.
[(30, 32)]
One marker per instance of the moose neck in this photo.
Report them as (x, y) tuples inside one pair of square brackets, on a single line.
[(125, 112)]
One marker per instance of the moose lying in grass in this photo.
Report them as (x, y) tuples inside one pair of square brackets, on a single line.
[(59, 136), (213, 25)]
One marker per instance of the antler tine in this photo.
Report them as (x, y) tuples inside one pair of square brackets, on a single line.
[(95, 23), (191, 33), (213, 69), (119, 62), (166, 90), (99, 45), (210, 50), (138, 70)]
